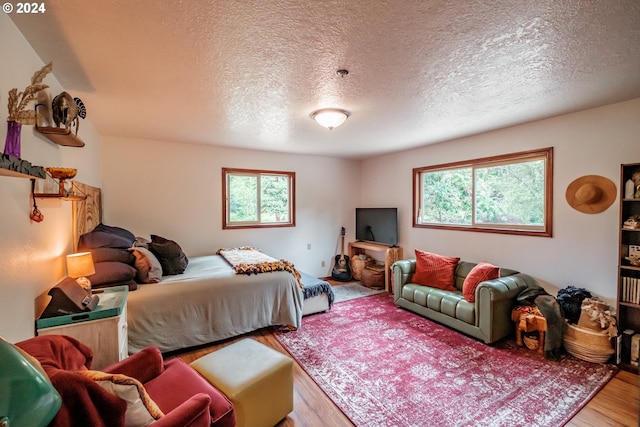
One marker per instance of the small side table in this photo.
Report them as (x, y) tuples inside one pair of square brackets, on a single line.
[(529, 319), (103, 329)]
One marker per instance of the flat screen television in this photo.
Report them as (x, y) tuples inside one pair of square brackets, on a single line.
[(379, 225)]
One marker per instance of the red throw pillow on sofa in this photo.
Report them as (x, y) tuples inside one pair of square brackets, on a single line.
[(481, 272), (434, 270)]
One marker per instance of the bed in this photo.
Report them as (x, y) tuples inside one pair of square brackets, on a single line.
[(206, 302), (210, 302), (318, 295)]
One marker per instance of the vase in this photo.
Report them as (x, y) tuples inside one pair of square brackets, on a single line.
[(12, 143), (629, 190)]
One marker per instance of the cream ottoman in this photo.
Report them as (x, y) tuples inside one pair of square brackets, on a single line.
[(257, 379)]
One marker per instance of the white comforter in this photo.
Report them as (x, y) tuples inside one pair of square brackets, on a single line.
[(209, 302)]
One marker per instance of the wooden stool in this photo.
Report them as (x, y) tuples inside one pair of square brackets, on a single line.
[(257, 379), (529, 321)]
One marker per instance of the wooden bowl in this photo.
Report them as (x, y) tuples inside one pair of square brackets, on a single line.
[(62, 173), (530, 342)]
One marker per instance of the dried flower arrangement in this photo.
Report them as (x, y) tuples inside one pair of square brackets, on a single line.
[(19, 101)]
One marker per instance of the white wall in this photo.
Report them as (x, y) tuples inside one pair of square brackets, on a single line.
[(584, 248), (175, 191), (32, 255)]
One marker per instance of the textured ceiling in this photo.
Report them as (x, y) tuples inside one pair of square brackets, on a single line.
[(248, 74)]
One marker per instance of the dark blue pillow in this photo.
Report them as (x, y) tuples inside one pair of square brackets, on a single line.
[(115, 230), (105, 236), (102, 239)]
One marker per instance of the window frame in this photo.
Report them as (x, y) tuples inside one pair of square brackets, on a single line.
[(227, 224), (545, 154)]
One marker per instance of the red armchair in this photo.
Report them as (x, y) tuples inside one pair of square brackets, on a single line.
[(185, 398)]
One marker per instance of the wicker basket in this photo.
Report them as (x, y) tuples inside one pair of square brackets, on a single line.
[(587, 344), (588, 337), (373, 277), (357, 265)]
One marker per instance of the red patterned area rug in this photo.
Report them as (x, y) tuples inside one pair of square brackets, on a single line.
[(384, 366)]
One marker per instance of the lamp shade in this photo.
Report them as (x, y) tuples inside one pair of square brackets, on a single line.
[(330, 117), (80, 265)]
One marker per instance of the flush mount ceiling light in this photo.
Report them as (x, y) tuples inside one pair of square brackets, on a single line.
[(330, 117)]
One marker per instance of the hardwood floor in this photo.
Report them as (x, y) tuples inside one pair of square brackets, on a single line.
[(615, 405), (311, 406)]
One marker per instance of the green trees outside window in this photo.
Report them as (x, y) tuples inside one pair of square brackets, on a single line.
[(504, 194), (255, 198)]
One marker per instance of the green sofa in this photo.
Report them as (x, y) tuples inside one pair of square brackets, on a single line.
[(488, 318)]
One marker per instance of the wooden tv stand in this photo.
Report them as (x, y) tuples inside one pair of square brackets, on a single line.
[(391, 255)]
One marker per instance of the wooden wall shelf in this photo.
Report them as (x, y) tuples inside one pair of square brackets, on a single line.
[(61, 136), (13, 166), (62, 193), (72, 198)]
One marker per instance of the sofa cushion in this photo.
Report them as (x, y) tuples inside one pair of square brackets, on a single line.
[(453, 305), (434, 270), (449, 303), (141, 409), (478, 274)]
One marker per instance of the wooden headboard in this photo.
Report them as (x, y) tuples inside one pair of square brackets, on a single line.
[(87, 214)]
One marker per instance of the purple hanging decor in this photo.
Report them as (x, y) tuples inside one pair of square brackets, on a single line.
[(12, 144)]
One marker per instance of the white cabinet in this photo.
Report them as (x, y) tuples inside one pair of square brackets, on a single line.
[(106, 335)]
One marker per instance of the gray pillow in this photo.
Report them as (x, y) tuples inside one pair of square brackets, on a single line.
[(149, 269)]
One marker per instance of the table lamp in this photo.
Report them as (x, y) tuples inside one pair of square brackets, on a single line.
[(80, 265)]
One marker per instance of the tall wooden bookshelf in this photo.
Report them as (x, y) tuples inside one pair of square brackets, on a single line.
[(628, 301)]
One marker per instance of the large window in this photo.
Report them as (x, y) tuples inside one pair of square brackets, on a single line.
[(503, 194), (257, 198)]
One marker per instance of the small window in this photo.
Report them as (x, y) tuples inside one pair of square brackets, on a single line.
[(256, 198), (504, 194)]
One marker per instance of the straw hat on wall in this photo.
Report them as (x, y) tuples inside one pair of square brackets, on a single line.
[(591, 194)]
